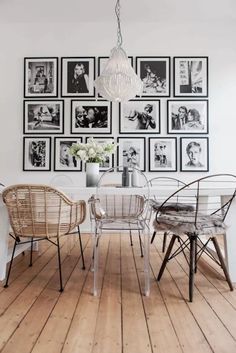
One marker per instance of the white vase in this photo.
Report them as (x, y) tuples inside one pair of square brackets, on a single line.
[(92, 174)]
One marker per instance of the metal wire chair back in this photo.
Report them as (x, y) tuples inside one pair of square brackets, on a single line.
[(203, 198)]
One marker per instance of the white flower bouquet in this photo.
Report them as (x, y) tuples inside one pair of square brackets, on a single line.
[(92, 151)]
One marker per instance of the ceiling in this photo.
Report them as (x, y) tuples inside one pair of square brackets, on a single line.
[(103, 10)]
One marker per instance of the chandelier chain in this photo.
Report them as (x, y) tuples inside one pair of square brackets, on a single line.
[(119, 34)]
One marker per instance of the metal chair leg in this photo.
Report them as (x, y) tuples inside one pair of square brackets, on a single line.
[(164, 242), (9, 270), (192, 240), (222, 262), (166, 258), (81, 248), (140, 243), (31, 252), (130, 236), (59, 262), (153, 236)]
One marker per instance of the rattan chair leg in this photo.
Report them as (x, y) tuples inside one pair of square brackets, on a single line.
[(164, 242), (31, 252), (130, 236), (166, 258), (153, 237), (9, 270), (59, 263), (222, 262), (81, 248), (140, 243), (192, 240)]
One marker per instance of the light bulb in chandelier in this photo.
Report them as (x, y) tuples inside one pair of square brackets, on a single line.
[(118, 81)]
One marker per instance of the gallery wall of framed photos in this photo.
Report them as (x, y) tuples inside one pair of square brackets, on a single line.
[(148, 136)]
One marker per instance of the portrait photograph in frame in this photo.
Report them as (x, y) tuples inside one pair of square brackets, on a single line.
[(187, 116), (77, 76), (162, 154), (37, 153), (40, 77), (43, 117), (109, 161), (191, 76), (155, 75), (139, 116), (63, 160), (91, 117), (131, 152), (194, 154)]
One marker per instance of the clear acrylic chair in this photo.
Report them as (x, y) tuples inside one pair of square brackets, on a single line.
[(121, 208), (198, 223), (156, 200)]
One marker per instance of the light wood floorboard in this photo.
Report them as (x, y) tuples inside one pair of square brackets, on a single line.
[(36, 317)]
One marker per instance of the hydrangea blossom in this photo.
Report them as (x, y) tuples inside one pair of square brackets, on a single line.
[(92, 151)]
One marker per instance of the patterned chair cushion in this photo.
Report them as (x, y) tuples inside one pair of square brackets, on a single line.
[(183, 222), (171, 206)]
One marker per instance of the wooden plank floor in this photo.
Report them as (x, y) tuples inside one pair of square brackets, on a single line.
[(35, 317)]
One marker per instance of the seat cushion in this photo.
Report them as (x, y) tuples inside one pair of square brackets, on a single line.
[(184, 222), (177, 206)]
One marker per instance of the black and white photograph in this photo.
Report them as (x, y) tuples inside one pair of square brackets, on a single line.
[(109, 159), (63, 160), (102, 60), (162, 154), (91, 117), (155, 75), (139, 116), (40, 77), (191, 76), (37, 153), (44, 117), (194, 154), (131, 152), (78, 75), (187, 116)]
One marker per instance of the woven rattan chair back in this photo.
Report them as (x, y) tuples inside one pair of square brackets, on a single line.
[(41, 211)]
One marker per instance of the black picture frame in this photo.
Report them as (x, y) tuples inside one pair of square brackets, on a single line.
[(162, 154), (43, 117), (77, 76), (37, 153), (91, 117), (197, 159), (190, 76), (139, 116), (104, 59), (63, 161), (187, 116), (100, 65), (40, 77), (132, 143), (154, 72), (111, 160)]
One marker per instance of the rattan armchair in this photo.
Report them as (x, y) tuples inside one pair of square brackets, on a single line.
[(38, 212)]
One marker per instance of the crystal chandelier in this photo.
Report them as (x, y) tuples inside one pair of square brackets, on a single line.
[(118, 81)]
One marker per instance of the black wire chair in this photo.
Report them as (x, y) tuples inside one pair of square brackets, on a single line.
[(162, 184), (196, 227)]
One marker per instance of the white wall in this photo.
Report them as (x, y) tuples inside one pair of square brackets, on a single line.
[(213, 38)]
